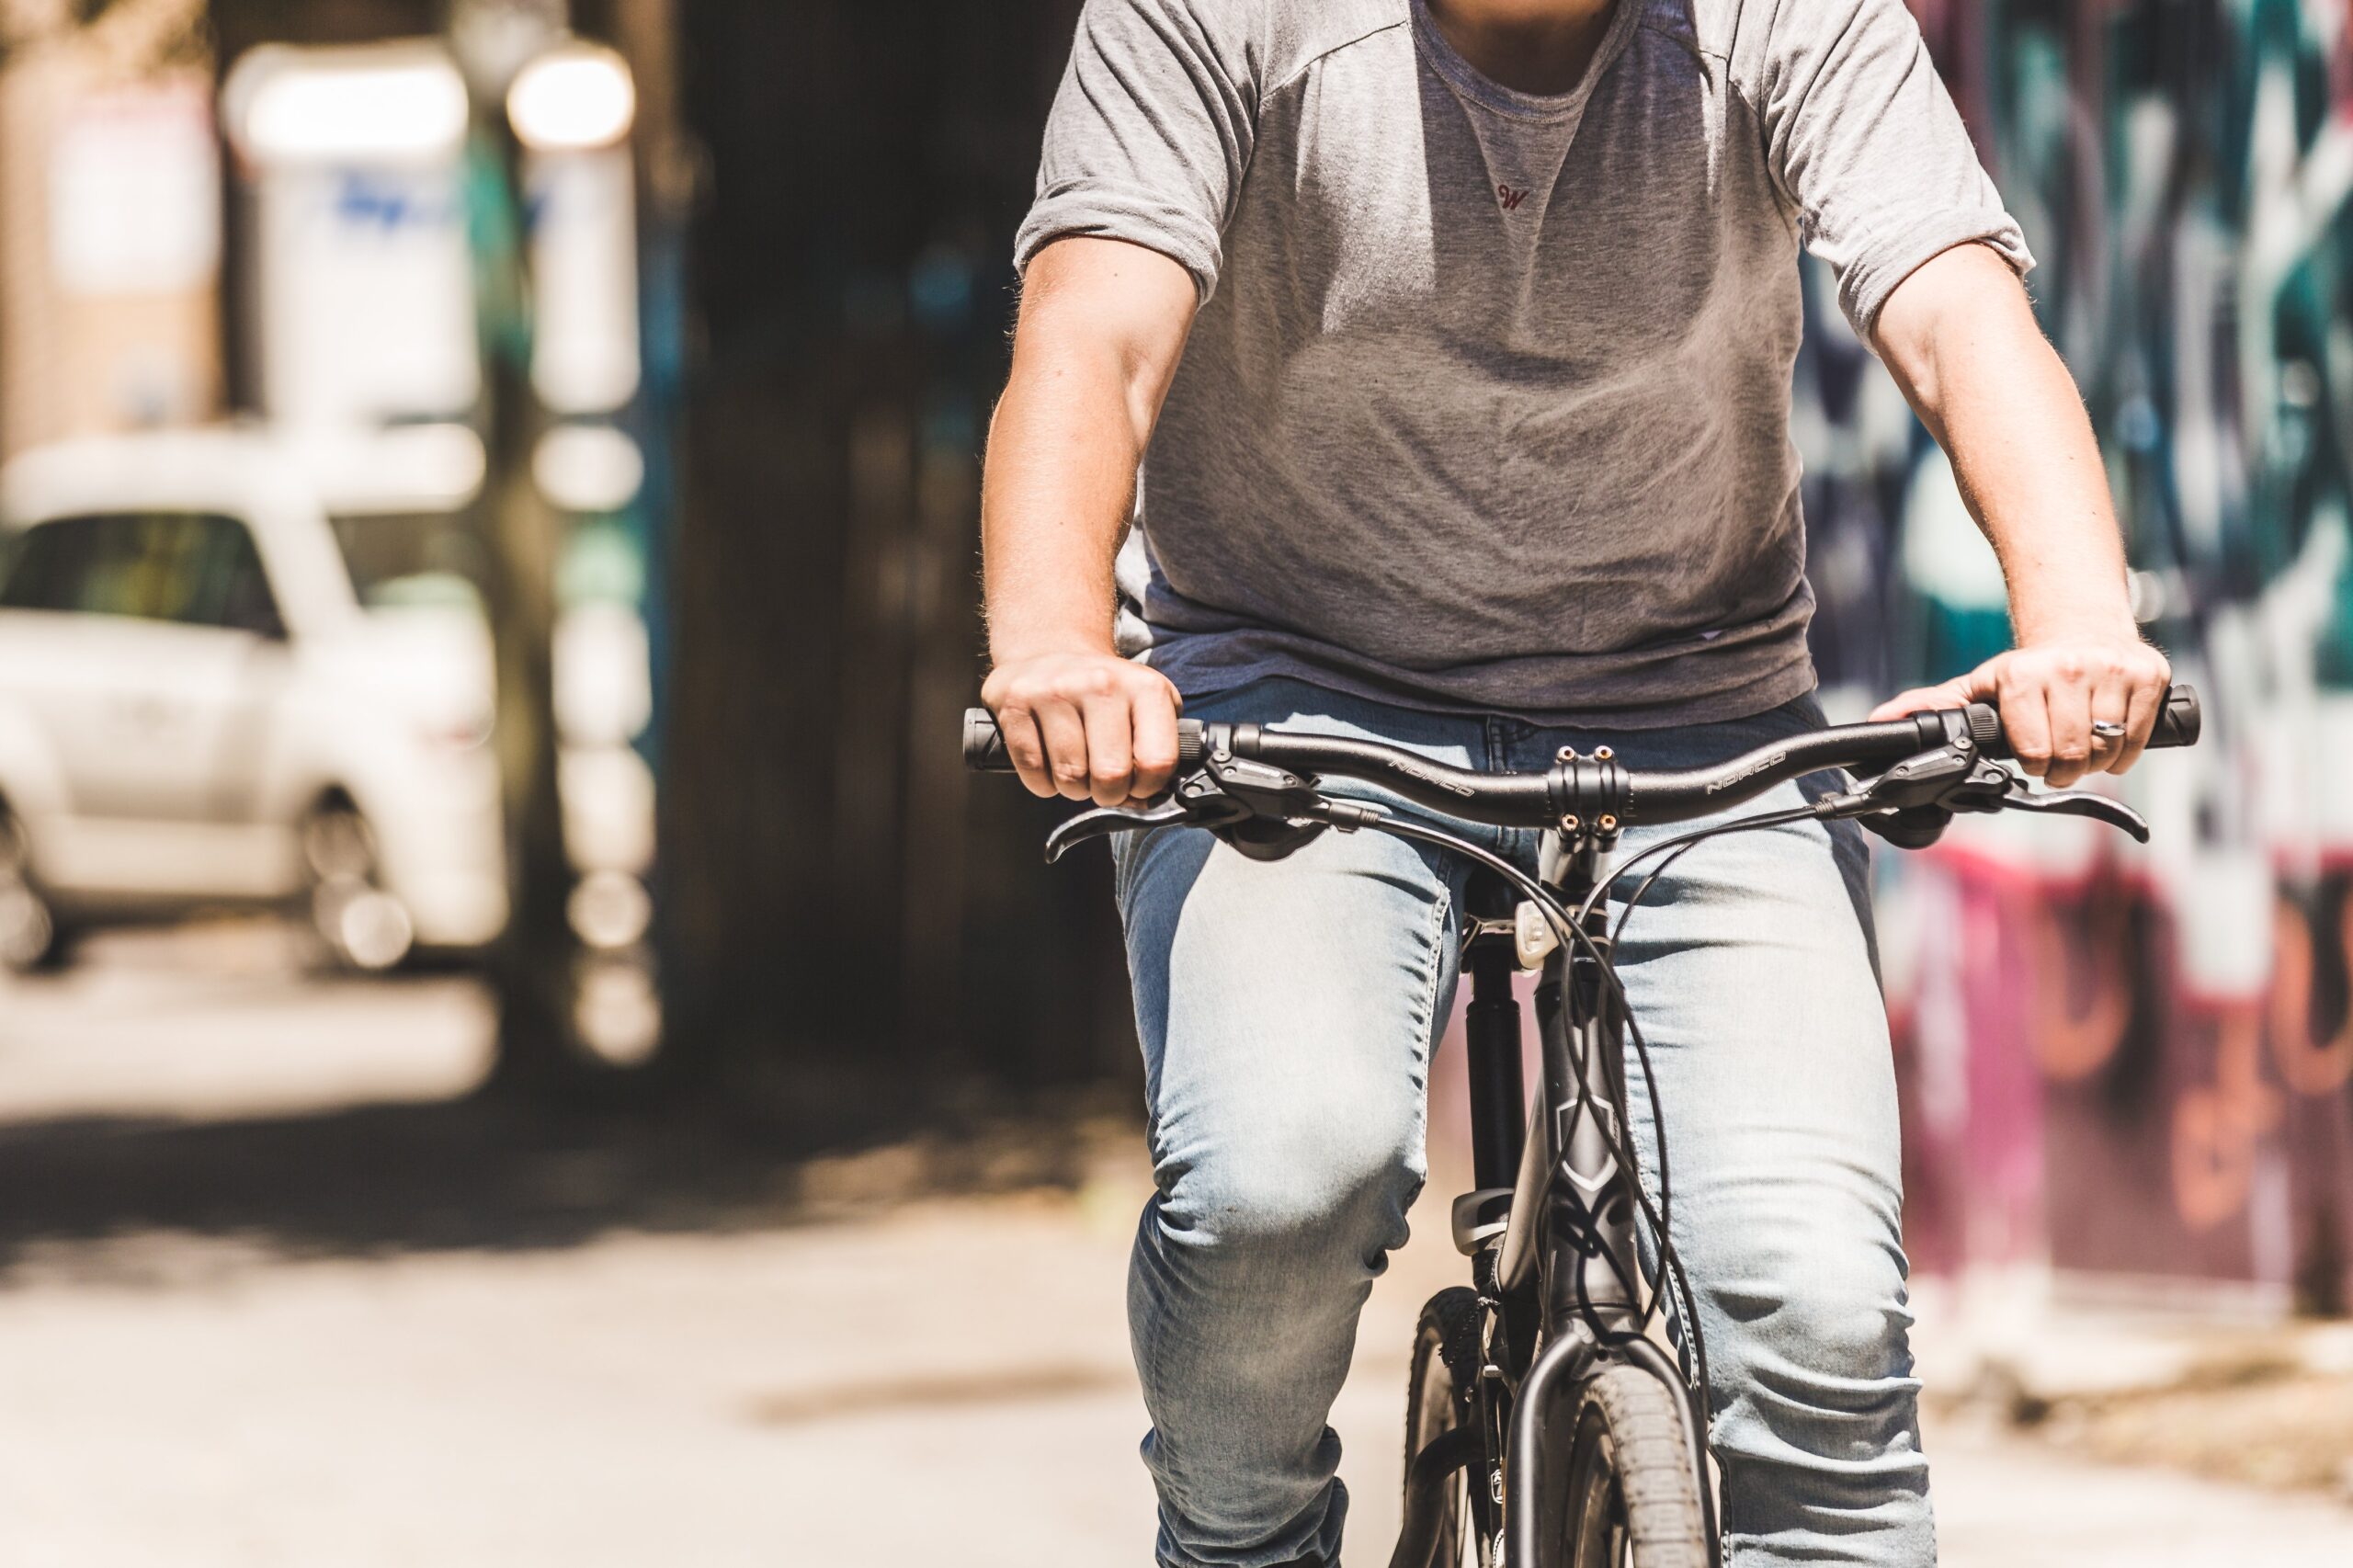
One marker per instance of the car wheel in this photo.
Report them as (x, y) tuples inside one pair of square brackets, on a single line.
[(364, 927), (31, 939)]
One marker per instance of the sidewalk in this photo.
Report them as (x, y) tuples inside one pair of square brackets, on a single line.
[(291, 1331), (949, 1384), (2229, 1391)]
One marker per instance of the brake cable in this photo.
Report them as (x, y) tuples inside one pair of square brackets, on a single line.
[(1657, 1214), (1679, 844)]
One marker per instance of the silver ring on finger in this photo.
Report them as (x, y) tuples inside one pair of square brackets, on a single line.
[(2107, 730)]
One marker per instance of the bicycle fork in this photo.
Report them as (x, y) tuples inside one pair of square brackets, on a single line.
[(1589, 1274)]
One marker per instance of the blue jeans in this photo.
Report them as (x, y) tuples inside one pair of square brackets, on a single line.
[(1288, 1013)]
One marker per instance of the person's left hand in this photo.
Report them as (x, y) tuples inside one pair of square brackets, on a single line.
[(2050, 693)]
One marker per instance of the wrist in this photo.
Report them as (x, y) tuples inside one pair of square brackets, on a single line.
[(2078, 626), (1005, 651)]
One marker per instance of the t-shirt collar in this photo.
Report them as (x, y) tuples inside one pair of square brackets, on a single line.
[(1477, 88)]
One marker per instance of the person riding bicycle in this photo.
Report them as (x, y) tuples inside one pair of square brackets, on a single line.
[(1438, 353)]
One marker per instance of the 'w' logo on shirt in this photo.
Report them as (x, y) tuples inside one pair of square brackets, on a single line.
[(1510, 199)]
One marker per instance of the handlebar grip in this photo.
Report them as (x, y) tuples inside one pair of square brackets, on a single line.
[(985, 742), (2178, 724)]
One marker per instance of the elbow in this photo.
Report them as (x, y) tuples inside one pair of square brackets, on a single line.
[(1955, 307), (1911, 358)]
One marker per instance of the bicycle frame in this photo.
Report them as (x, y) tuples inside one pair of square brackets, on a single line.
[(1551, 1220)]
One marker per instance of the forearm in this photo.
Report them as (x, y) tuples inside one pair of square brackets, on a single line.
[(1997, 398), (2081, 689), (1060, 483), (1102, 327)]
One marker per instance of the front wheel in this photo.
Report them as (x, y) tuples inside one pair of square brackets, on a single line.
[(1631, 1500), (1439, 1401)]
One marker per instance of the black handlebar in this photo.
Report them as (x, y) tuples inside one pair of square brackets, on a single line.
[(1595, 786), (984, 745), (985, 742)]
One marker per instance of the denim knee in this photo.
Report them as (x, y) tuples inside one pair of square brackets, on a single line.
[(1837, 1349), (1329, 1175), (1817, 1366)]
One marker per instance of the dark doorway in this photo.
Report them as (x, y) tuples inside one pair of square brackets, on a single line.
[(849, 911)]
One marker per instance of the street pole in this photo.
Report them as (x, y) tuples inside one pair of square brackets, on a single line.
[(535, 969), (646, 35)]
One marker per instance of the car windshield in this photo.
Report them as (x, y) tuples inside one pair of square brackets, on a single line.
[(409, 560), (195, 568)]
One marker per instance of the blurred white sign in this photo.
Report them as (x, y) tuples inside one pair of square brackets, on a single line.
[(134, 192), (584, 279), (365, 303)]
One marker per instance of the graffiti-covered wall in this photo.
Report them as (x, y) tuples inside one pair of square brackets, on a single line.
[(2123, 1061)]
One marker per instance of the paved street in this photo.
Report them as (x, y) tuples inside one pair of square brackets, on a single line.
[(945, 1383)]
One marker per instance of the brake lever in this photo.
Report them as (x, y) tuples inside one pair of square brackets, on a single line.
[(1264, 811), (1995, 788), (1246, 803), (2078, 803), (1911, 805), (1105, 821)]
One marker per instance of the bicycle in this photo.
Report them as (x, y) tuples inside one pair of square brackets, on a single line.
[(1545, 1378)]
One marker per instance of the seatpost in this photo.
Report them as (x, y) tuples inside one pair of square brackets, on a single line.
[(1491, 1036), (1490, 1030)]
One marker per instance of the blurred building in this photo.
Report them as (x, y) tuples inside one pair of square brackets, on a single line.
[(2136, 1067), (431, 250), (109, 223)]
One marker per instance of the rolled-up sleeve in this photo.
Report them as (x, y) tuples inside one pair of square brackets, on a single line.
[(1870, 149), (1151, 132)]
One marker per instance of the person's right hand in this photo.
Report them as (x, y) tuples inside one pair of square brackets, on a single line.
[(1086, 725)]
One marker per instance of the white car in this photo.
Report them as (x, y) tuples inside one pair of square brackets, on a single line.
[(217, 692)]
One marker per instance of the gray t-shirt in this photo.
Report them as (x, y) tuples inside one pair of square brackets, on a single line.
[(1487, 403)]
